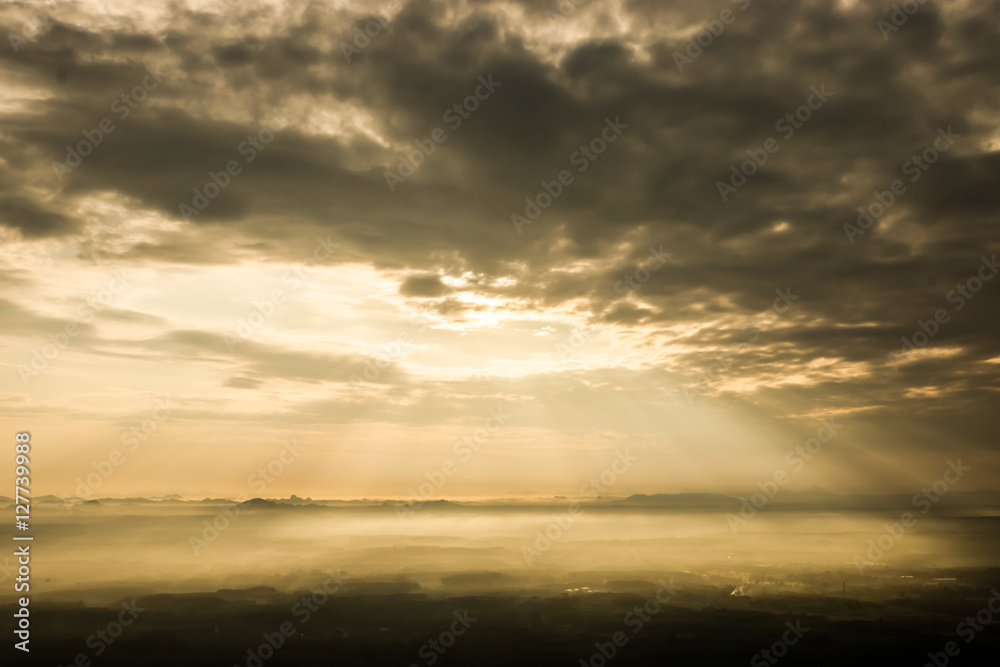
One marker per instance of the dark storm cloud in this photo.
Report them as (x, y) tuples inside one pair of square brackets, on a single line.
[(32, 219), (423, 286), (657, 184)]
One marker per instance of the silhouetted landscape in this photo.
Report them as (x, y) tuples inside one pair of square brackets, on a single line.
[(472, 333), (361, 587)]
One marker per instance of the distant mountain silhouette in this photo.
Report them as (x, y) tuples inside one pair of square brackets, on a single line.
[(257, 503), (814, 498), (426, 505), (687, 500)]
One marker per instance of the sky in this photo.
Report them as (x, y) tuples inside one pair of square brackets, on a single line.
[(496, 245)]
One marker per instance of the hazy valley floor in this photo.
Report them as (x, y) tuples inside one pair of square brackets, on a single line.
[(286, 585)]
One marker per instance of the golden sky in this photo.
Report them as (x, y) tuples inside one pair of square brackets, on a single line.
[(378, 326)]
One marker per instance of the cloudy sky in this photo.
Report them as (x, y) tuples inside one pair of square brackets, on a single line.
[(324, 288)]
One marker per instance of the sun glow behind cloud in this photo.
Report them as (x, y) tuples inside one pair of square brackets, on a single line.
[(432, 310)]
